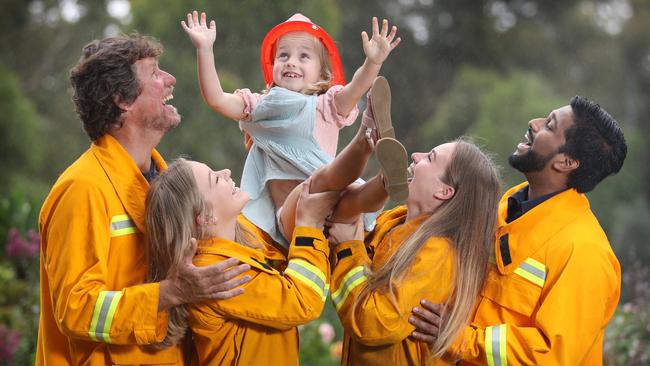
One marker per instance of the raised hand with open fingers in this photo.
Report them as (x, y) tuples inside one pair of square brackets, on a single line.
[(381, 44), (201, 34)]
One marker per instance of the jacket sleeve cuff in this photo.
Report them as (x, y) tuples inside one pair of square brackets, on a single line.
[(153, 327), (465, 347), (352, 250), (309, 237)]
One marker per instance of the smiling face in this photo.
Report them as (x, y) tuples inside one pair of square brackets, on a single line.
[(297, 64), (426, 188), (542, 141), (219, 191), (150, 108)]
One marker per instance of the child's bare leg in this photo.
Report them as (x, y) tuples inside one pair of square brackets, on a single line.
[(360, 198), (279, 189), (372, 195), (346, 167), (349, 164)]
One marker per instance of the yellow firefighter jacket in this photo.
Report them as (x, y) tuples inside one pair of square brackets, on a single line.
[(376, 332), (95, 309), (259, 327), (554, 287)]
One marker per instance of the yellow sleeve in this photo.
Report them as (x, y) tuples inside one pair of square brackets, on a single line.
[(274, 299), (76, 237), (570, 321), (375, 320)]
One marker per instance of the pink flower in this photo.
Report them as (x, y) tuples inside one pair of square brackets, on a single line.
[(17, 246), (9, 341), (336, 350), (629, 308), (326, 331)]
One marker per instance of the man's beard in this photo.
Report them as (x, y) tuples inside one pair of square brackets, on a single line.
[(161, 123), (529, 162)]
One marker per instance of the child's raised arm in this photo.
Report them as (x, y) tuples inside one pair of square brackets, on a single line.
[(202, 37), (377, 50)]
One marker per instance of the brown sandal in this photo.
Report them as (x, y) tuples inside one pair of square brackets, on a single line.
[(376, 116), (393, 160)]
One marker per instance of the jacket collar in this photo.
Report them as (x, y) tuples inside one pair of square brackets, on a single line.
[(529, 232), (229, 248), (390, 232), (129, 183)]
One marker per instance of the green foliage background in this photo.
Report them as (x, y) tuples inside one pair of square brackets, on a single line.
[(481, 68)]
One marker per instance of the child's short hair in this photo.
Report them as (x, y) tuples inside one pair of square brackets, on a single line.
[(325, 70)]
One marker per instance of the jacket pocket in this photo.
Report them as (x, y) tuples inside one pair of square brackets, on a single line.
[(512, 292)]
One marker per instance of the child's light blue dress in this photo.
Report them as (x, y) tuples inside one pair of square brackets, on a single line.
[(281, 127)]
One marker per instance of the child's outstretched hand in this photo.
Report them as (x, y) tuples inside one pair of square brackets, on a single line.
[(198, 30), (381, 44)]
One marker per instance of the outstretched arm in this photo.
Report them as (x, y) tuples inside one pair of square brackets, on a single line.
[(377, 50), (203, 37)]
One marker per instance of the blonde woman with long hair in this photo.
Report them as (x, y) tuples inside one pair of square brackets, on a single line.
[(437, 247), (190, 200)]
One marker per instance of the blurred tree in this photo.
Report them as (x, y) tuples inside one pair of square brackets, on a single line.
[(21, 139), (459, 109), (624, 193), (629, 237), (504, 112), (492, 108), (635, 73), (45, 38)]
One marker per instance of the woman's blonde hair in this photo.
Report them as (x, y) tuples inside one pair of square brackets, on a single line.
[(173, 203), (322, 85), (468, 221)]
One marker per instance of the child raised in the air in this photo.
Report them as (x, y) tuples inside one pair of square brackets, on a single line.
[(294, 123)]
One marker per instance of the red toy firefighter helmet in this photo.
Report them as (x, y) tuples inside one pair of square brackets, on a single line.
[(299, 23)]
